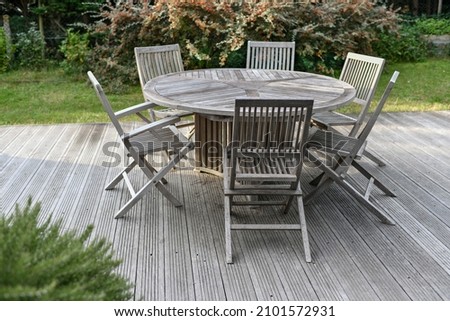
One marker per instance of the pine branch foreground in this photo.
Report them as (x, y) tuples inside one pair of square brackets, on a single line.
[(40, 262)]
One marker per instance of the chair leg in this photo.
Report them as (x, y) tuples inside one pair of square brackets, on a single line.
[(119, 176), (301, 212), (154, 180), (128, 169), (324, 180), (147, 164), (374, 158), (150, 172), (152, 115), (337, 177), (324, 183), (369, 176), (384, 218), (335, 162), (228, 245), (288, 204), (316, 180), (124, 209)]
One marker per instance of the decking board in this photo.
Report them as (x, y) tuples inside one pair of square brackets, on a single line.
[(208, 281), (380, 248), (179, 253), (237, 283)]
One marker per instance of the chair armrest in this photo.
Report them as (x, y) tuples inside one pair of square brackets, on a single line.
[(134, 109), (152, 126)]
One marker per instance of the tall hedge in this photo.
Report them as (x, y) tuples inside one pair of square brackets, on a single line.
[(215, 34)]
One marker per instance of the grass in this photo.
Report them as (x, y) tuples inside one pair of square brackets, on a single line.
[(422, 86), (50, 96)]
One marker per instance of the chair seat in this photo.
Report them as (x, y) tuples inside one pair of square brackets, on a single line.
[(331, 142), (251, 174), (155, 141), (328, 119), (267, 169)]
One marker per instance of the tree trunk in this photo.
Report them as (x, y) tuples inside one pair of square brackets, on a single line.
[(415, 7), (7, 29), (41, 27)]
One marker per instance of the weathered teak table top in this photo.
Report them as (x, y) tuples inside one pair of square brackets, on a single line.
[(213, 91), (211, 95)]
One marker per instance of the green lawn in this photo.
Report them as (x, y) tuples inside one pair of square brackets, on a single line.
[(423, 86), (52, 97)]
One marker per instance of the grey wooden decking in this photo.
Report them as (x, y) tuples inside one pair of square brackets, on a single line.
[(179, 253)]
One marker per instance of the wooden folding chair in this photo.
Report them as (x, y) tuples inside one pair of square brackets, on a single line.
[(362, 72), (334, 154), (275, 55), (141, 142), (155, 61), (265, 157)]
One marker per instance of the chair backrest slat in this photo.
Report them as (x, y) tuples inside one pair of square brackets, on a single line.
[(363, 73), (155, 61), (276, 55), (270, 127)]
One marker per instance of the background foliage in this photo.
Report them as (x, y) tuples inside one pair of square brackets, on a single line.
[(4, 54), (407, 45), (29, 49), (75, 49), (433, 26), (215, 34)]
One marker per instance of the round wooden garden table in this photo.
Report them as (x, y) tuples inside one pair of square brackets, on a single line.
[(210, 94)]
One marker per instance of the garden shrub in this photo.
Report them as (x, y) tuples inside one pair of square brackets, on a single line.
[(325, 34), (437, 35), (433, 26), (406, 45), (29, 49), (215, 34), (75, 49), (115, 35), (40, 262), (412, 41), (4, 51)]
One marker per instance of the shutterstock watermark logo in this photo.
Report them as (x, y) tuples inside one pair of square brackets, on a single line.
[(330, 150), (210, 154), (111, 150)]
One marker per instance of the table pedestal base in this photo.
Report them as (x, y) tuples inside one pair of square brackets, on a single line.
[(211, 136)]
